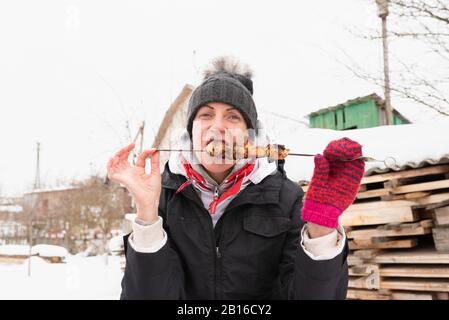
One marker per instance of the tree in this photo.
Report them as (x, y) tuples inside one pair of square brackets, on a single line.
[(95, 206), (422, 24)]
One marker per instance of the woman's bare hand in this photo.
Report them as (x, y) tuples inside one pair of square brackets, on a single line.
[(144, 188)]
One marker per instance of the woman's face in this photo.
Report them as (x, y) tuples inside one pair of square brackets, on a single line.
[(217, 121)]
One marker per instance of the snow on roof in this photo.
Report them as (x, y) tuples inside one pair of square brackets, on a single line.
[(412, 145), (372, 96), (11, 208), (52, 189)]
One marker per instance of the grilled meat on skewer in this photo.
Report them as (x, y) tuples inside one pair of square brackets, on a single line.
[(234, 152)]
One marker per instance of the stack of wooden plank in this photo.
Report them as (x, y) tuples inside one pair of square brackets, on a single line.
[(399, 236)]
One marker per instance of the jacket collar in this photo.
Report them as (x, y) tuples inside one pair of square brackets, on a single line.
[(265, 192)]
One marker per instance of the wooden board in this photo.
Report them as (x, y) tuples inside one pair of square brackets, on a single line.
[(420, 271), (404, 229), (415, 195), (417, 187), (392, 244), (441, 216), (366, 282), (354, 261), (424, 186), (415, 284), (442, 295), (410, 295), (366, 254), (433, 199), (406, 174), (420, 202), (382, 294), (441, 239), (374, 193), (406, 196), (418, 256), (381, 205), (363, 294), (378, 216), (363, 270)]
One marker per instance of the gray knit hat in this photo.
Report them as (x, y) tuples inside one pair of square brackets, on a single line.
[(227, 81)]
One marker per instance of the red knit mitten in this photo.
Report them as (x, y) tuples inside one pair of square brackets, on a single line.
[(334, 182)]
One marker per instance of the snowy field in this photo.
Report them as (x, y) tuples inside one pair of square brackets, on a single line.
[(79, 278)]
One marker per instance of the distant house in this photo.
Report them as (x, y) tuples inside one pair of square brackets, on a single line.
[(61, 212), (46, 205), (12, 228), (362, 112)]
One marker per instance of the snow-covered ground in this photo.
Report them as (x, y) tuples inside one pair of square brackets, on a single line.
[(79, 278)]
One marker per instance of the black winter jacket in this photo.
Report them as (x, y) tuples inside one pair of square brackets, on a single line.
[(252, 253)]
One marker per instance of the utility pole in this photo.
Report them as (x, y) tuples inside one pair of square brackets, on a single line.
[(382, 6), (37, 185), (37, 178)]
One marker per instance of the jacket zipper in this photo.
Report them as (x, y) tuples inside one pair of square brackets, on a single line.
[(217, 252)]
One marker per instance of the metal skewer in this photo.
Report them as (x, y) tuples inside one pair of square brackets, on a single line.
[(388, 161), (181, 150)]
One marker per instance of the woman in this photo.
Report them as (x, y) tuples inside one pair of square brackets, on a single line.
[(215, 229)]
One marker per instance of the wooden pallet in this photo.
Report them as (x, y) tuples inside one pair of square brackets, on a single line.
[(390, 228)]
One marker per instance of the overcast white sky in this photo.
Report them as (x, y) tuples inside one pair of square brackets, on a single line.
[(73, 72)]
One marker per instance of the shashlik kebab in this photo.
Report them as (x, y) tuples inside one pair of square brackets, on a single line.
[(234, 152)]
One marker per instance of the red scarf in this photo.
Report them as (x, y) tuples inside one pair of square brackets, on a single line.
[(237, 177)]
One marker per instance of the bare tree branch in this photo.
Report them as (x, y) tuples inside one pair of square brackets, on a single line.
[(426, 24)]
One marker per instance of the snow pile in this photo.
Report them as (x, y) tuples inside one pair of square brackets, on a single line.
[(79, 278), (130, 217), (48, 251), (411, 145), (116, 244)]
